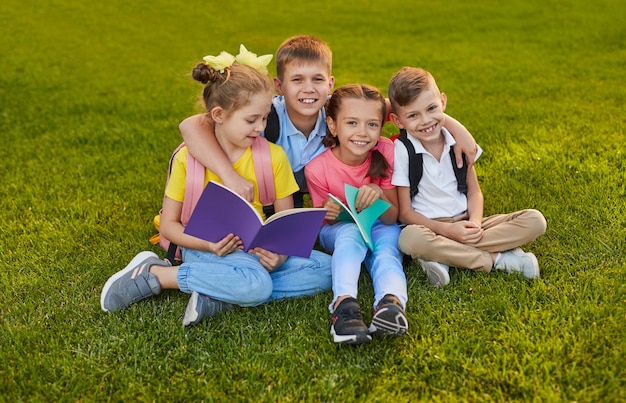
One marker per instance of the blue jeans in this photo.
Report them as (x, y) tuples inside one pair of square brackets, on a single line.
[(240, 279), (349, 250)]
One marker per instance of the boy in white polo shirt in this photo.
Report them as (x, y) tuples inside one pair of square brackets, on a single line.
[(443, 207)]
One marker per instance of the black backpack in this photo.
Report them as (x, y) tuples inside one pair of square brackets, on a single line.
[(416, 166), (272, 132), (272, 129)]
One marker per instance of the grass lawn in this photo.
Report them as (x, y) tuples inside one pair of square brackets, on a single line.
[(91, 96)]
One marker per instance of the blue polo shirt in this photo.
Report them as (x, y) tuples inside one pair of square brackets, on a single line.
[(299, 149)]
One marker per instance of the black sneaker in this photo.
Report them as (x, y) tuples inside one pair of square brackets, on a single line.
[(348, 326), (389, 317)]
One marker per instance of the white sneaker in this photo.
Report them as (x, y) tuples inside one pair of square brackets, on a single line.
[(516, 260), (437, 272)]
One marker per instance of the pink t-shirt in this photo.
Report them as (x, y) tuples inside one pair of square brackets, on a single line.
[(326, 174)]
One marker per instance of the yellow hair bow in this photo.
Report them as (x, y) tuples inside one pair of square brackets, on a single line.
[(259, 63), (245, 57), (219, 62)]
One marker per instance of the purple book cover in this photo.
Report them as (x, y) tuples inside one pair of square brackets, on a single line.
[(220, 211)]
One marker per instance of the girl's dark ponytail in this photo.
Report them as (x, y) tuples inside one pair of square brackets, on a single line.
[(379, 167)]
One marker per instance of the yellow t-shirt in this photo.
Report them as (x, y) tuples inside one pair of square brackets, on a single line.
[(284, 181)]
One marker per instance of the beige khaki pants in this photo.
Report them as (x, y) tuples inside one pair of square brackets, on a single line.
[(502, 232)]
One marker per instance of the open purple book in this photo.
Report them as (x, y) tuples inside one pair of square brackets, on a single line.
[(220, 212)]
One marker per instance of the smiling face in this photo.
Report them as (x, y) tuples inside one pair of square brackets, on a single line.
[(235, 130), (357, 129), (305, 86), (424, 116)]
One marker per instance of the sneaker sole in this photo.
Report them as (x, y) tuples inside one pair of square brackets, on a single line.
[(133, 263), (389, 322), (350, 338), (191, 312)]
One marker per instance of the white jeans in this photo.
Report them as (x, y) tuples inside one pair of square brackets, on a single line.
[(349, 250)]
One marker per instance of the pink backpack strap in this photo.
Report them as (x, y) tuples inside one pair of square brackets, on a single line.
[(263, 170), (194, 185)]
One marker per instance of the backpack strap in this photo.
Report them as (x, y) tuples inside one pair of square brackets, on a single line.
[(272, 129), (460, 173), (194, 185), (263, 170), (416, 167)]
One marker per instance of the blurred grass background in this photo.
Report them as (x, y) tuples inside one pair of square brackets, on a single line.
[(91, 95)]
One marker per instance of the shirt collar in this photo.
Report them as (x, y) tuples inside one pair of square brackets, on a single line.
[(318, 130), (448, 142)]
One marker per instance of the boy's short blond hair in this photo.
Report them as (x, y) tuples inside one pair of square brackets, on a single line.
[(303, 48), (407, 84)]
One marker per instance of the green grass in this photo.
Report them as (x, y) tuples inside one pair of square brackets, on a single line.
[(91, 95)]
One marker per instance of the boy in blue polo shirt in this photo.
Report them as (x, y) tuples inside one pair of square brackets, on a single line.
[(445, 223), (304, 82)]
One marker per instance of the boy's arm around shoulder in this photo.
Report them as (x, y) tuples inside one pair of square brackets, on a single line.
[(202, 144), (465, 143)]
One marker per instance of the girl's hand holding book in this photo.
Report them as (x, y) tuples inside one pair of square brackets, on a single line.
[(226, 246), (367, 195), (269, 260)]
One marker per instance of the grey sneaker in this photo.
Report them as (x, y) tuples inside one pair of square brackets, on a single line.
[(438, 273), (516, 260), (202, 306), (131, 284), (389, 317)]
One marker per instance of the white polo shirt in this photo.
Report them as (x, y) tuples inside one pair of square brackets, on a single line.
[(437, 195)]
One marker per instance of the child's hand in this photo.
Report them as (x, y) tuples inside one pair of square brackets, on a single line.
[(332, 209), (465, 232), (226, 246), (367, 195), (269, 260), (241, 186)]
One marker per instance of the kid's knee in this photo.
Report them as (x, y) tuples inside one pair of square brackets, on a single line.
[(410, 241), (256, 291), (537, 222)]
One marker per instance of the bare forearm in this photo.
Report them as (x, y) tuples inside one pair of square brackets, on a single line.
[(202, 144), (200, 138), (475, 199), (455, 128), (174, 231), (475, 208), (438, 227)]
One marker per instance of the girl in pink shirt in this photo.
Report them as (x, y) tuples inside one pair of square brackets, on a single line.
[(359, 156)]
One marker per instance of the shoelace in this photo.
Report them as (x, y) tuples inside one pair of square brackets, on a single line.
[(349, 314)]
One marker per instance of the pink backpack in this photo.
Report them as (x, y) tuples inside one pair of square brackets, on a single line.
[(194, 186)]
